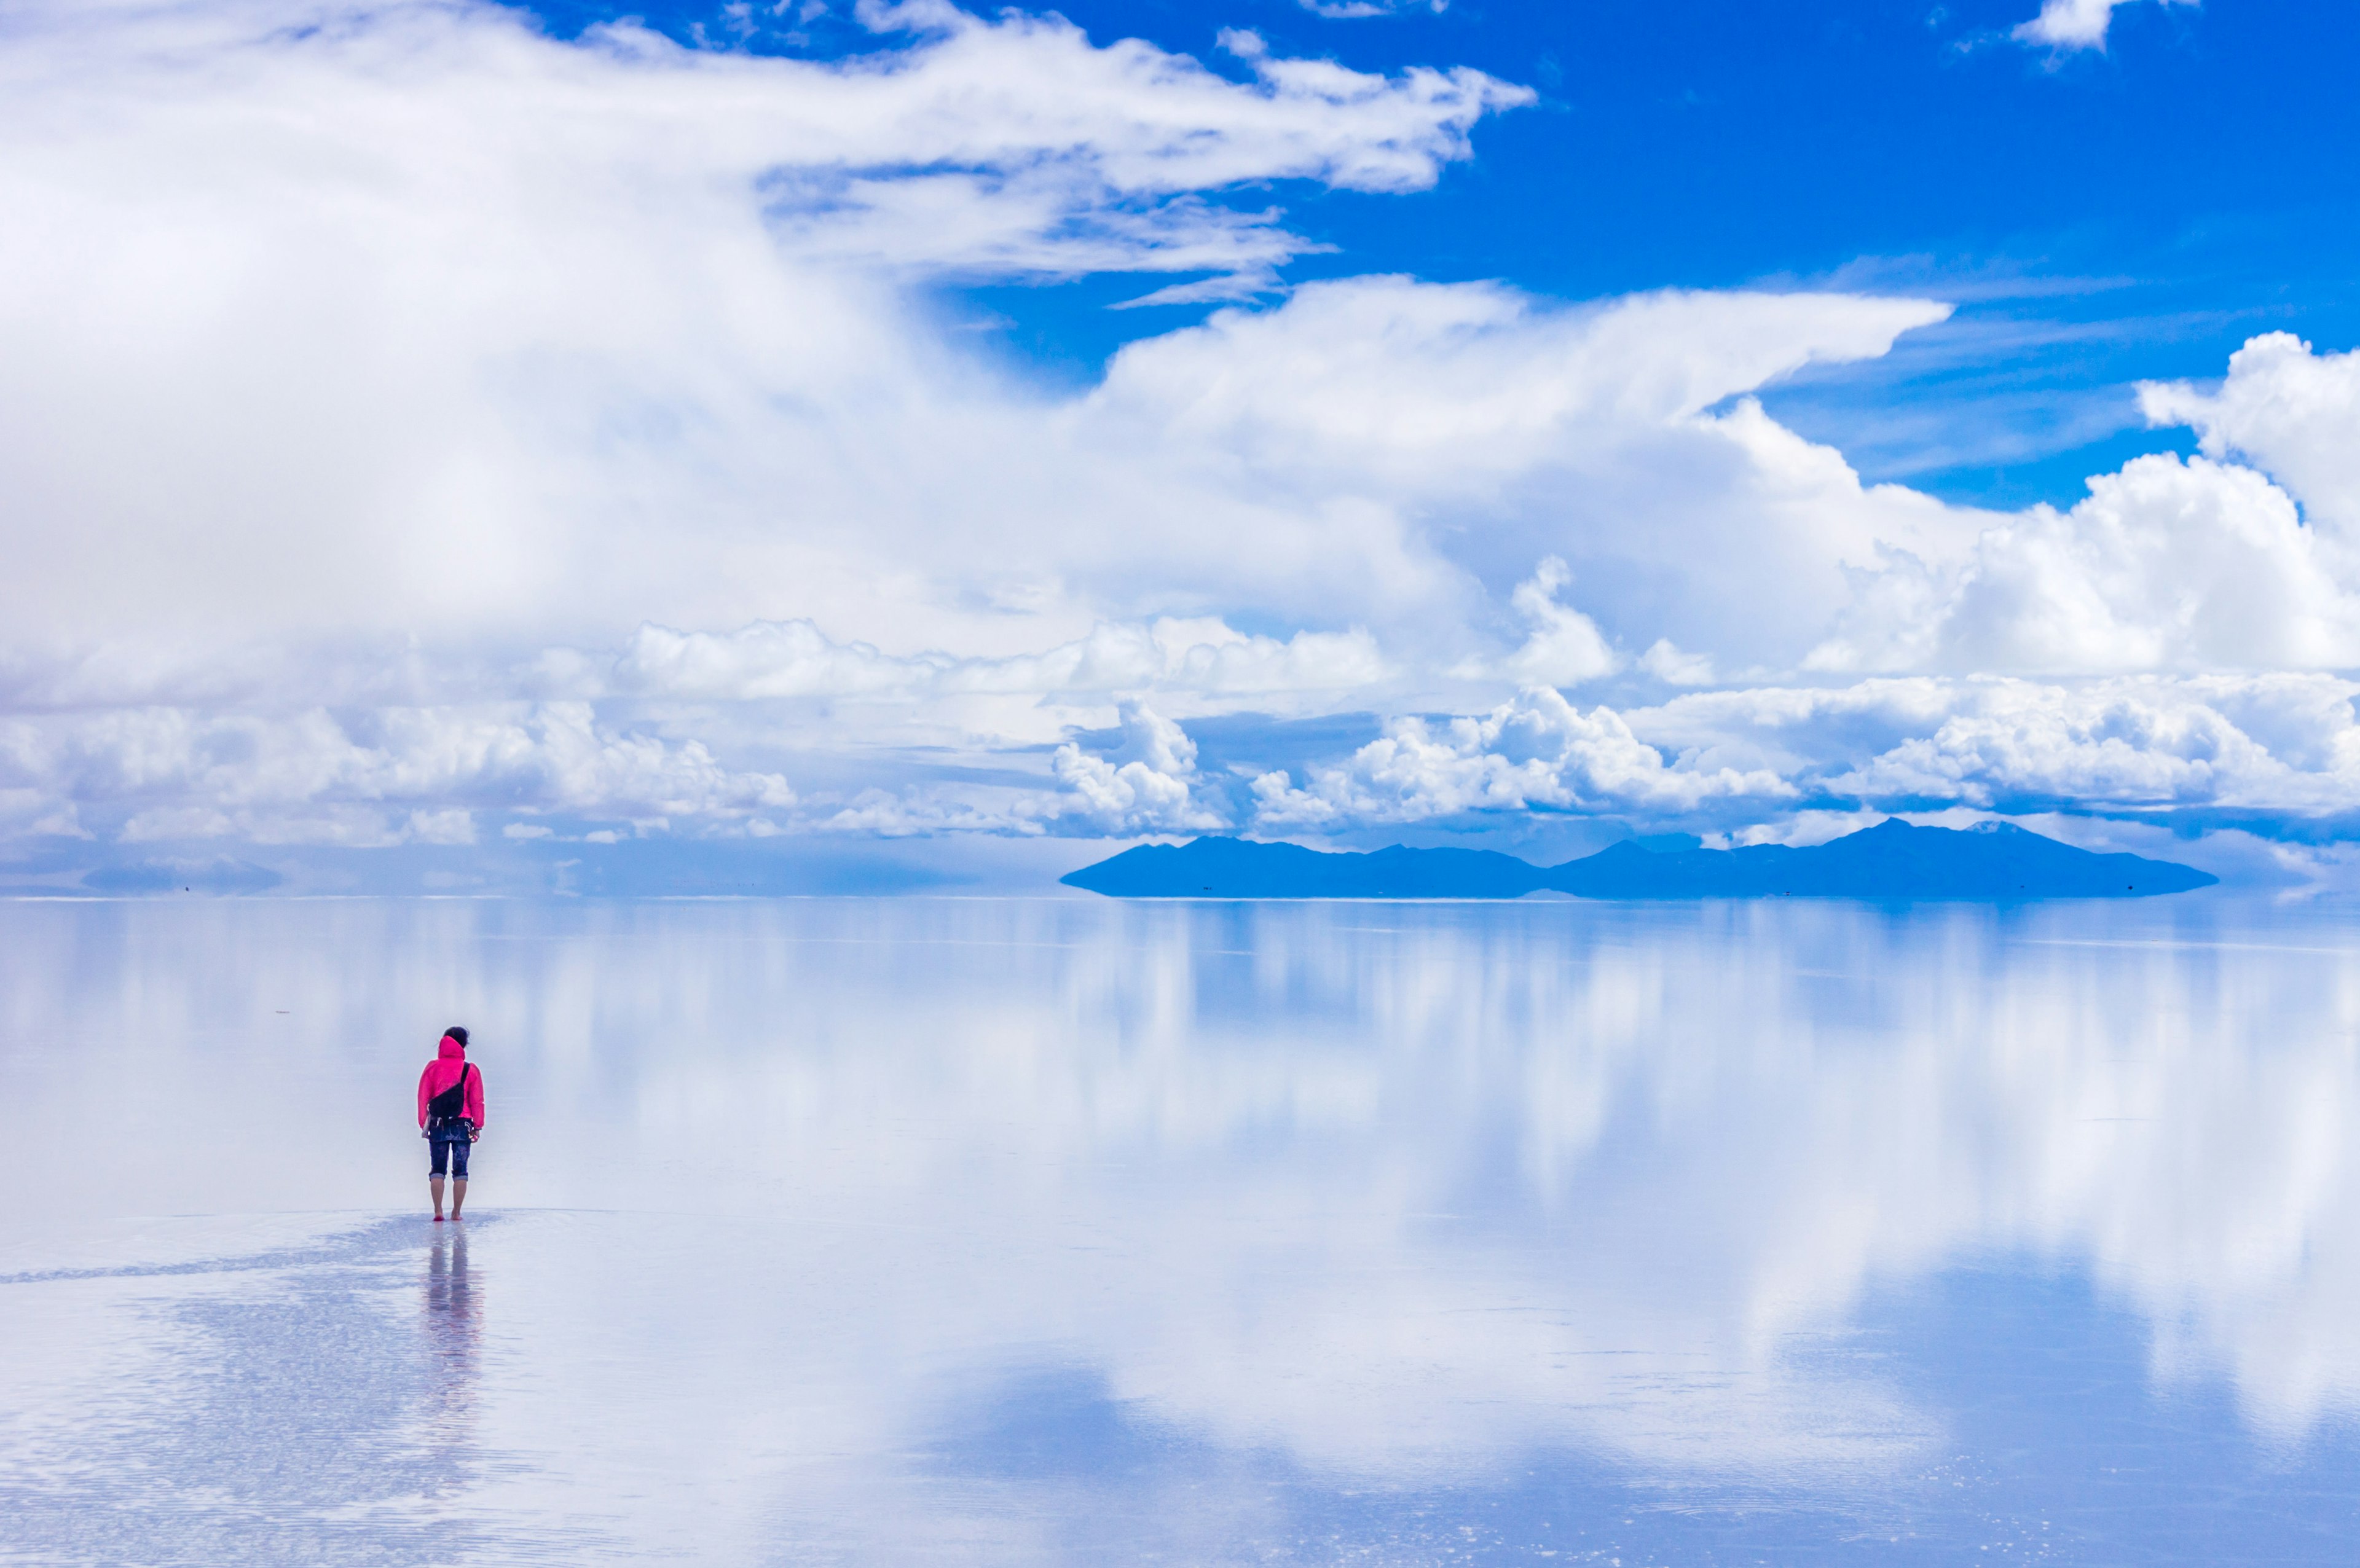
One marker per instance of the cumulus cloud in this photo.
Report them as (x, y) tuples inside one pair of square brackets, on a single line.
[(1783, 763), (2290, 412), (390, 776), (1147, 785), (426, 326), (2166, 565), (1144, 788), (386, 776), (1665, 660), (423, 321), (416, 426), (2067, 25), (1564, 647), (2139, 745), (2283, 745), (1435, 385), (2246, 558), (1383, 406), (1536, 751)]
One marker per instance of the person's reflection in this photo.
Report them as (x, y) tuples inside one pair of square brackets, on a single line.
[(453, 1323)]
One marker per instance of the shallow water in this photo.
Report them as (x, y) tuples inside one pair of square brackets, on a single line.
[(982, 1231)]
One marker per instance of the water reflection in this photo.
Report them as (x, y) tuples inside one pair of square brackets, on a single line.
[(258, 1408), (454, 1327), (877, 1229)]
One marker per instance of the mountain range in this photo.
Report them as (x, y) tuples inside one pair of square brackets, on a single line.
[(1892, 860)]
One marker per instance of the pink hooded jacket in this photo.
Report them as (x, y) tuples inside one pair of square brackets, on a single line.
[(443, 1072)]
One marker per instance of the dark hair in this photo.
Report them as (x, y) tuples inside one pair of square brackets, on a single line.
[(457, 1033)]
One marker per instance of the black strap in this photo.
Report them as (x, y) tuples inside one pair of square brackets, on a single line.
[(461, 1088)]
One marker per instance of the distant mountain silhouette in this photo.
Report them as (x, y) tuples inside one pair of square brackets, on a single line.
[(1892, 860)]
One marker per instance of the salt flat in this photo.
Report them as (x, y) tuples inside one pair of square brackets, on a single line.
[(973, 1230)]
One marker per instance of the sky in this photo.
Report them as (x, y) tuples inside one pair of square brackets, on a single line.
[(457, 448)]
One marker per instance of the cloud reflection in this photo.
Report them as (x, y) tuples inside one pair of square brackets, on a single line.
[(805, 1205)]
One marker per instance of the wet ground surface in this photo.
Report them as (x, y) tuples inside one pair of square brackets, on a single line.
[(1009, 1230)]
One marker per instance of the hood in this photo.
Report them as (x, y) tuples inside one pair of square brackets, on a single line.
[(451, 1049)]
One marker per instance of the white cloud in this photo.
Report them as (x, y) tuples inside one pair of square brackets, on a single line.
[(1780, 763), (2286, 744), (2166, 565), (2141, 744), (2074, 23), (1145, 788), (1565, 648), (1146, 785), (408, 417), (451, 825), (422, 322), (1538, 750), (2196, 567), (524, 341), (1360, 10), (391, 776), (927, 813), (28, 812), (2293, 413), (1435, 385), (1418, 437), (1666, 661), (1801, 829), (1201, 656)]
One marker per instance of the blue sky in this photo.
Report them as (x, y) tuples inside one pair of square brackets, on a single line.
[(753, 447), (2101, 215)]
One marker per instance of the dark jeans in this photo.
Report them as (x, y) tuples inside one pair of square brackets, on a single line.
[(450, 1147)]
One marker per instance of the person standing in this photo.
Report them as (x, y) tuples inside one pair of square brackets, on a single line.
[(450, 1116)]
